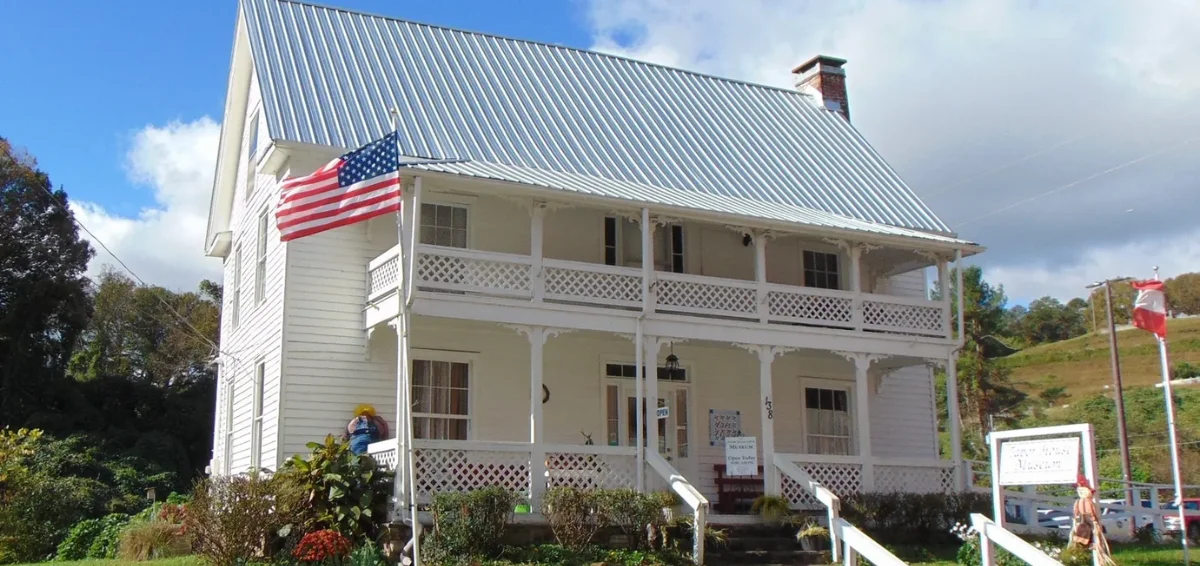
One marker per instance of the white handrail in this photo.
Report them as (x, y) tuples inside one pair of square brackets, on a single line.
[(990, 532), (858, 541), (690, 495), (833, 505)]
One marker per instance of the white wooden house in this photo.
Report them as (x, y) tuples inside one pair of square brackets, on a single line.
[(603, 212)]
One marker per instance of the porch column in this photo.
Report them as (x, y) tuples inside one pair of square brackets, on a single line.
[(856, 315), (537, 275), (652, 345), (954, 421), (537, 336), (403, 412), (648, 298), (766, 358), (760, 274), (944, 292), (862, 391)]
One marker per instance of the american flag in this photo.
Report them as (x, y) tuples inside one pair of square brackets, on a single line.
[(359, 185)]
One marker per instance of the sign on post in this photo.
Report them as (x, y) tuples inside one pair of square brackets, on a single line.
[(741, 456), (662, 412), (1051, 461)]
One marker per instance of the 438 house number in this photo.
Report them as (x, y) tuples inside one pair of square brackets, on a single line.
[(767, 405)]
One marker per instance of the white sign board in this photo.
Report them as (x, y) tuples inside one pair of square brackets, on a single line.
[(1053, 461), (663, 412), (741, 456)]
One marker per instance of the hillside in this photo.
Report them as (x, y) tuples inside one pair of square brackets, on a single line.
[(1082, 366)]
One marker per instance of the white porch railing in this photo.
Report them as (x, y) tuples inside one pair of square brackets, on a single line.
[(844, 538), (690, 496), (990, 533), (844, 475), (491, 274), (451, 465)]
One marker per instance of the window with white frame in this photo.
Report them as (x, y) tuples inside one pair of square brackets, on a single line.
[(668, 248), (444, 225), (251, 155), (229, 393), (260, 260), (821, 270), (441, 400), (612, 240), (235, 298), (256, 434), (827, 419)]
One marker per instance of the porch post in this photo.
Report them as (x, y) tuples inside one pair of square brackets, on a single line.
[(760, 276), (537, 282), (648, 299), (652, 345), (862, 363), (400, 491), (856, 315), (954, 421), (944, 293), (537, 464)]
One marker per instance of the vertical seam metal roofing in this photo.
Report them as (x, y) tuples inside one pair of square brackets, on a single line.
[(329, 76)]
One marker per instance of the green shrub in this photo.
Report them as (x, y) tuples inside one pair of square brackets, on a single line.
[(232, 519), (79, 540), (591, 555), (472, 523), (573, 514), (913, 518), (152, 540), (366, 554), (632, 513), (104, 546), (347, 493)]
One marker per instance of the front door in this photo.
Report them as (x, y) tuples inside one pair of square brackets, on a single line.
[(673, 421)]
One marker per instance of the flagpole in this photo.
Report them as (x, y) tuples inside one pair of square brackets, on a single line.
[(1169, 396)]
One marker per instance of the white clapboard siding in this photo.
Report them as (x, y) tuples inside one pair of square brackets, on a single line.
[(903, 412), (257, 337)]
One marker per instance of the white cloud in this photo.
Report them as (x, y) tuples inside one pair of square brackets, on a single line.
[(948, 91), (164, 243)]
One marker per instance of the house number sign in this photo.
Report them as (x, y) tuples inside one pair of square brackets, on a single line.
[(770, 411)]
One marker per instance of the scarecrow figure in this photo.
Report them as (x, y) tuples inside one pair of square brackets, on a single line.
[(365, 428), (1086, 529)]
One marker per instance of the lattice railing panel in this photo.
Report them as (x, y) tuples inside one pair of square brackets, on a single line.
[(841, 479), (440, 470), (385, 458), (384, 277), (716, 297), (797, 305), (578, 284), (591, 471), (472, 274), (913, 479), (898, 316)]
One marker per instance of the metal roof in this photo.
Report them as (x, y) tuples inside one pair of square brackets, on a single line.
[(329, 76)]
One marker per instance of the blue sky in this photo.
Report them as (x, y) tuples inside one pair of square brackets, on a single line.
[(1062, 139), (108, 69)]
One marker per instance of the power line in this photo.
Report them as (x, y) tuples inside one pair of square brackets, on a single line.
[(1005, 166), (1080, 181), (178, 316), (1148, 446)]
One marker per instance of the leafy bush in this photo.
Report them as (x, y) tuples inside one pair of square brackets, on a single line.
[(151, 540), (346, 492), (105, 545), (573, 514), (322, 546), (632, 513), (911, 518), (472, 523), (234, 518), (366, 555), (79, 540), (590, 555)]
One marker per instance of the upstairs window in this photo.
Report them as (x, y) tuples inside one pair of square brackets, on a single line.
[(260, 260), (235, 298), (821, 270), (611, 240), (251, 153), (444, 225), (669, 249)]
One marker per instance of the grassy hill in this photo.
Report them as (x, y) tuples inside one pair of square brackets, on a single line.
[(1082, 366)]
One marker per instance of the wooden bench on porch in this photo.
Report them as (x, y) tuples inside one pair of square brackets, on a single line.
[(736, 494)]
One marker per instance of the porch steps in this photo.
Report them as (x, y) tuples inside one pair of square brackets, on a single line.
[(762, 545)]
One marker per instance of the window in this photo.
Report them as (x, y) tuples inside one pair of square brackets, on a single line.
[(629, 371), (229, 392), (444, 225), (681, 422), (676, 247), (827, 415), (441, 409), (260, 266), (821, 270), (612, 403), (610, 240), (668, 249), (256, 423), (252, 140), (235, 298)]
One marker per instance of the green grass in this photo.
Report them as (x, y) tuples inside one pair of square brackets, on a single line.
[(181, 561), (1125, 555), (1082, 366)]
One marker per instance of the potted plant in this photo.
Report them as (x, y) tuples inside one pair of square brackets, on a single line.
[(812, 536), (773, 510)]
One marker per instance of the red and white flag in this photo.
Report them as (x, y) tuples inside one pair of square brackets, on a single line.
[(362, 184), (1150, 308)]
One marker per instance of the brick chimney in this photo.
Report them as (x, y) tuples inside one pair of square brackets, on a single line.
[(823, 75)]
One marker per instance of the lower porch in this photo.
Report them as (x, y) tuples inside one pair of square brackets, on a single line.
[(531, 409)]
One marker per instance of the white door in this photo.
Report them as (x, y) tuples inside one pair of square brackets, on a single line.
[(674, 428)]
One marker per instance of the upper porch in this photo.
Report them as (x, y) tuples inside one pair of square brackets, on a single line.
[(508, 249)]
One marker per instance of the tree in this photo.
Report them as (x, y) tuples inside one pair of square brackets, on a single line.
[(1183, 293), (1123, 296), (1048, 320), (43, 290)]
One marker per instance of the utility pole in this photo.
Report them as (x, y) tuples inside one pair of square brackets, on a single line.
[(1122, 432)]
